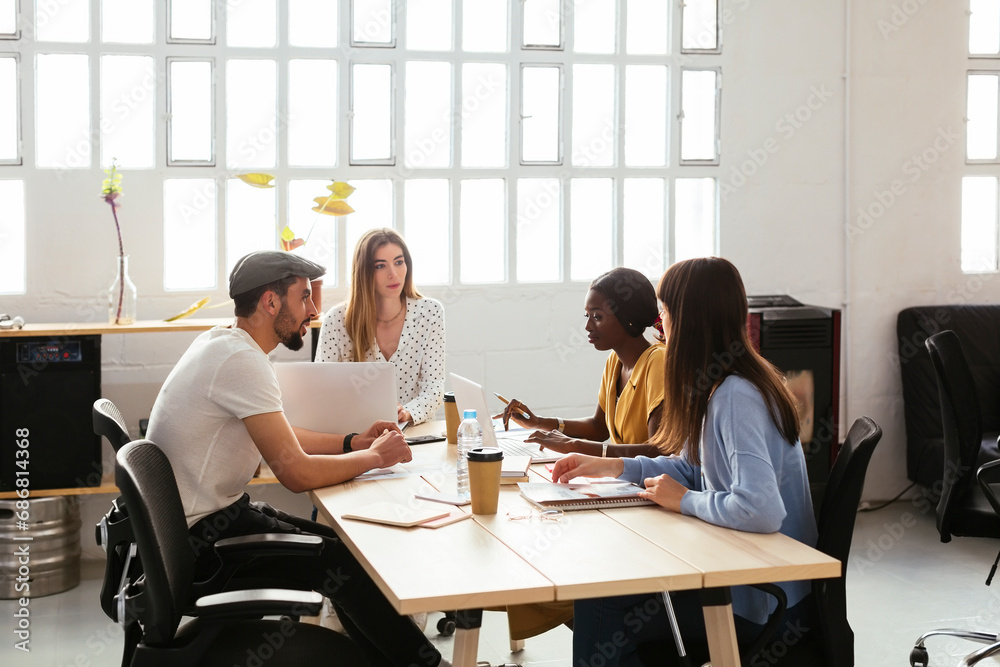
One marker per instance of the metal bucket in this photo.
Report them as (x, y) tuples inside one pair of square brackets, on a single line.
[(39, 555)]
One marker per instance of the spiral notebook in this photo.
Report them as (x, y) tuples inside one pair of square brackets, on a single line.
[(583, 496)]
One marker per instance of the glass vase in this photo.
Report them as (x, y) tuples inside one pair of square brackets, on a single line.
[(122, 296)]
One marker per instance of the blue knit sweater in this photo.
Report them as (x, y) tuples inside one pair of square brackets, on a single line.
[(750, 479)]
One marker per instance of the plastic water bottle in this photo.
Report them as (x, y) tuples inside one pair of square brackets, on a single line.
[(470, 436)]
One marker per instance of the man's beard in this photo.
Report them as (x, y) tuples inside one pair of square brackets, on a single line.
[(288, 331)]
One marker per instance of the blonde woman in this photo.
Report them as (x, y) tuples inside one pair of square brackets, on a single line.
[(387, 319)]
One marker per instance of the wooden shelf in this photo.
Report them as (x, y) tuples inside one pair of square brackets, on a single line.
[(142, 326), (106, 487)]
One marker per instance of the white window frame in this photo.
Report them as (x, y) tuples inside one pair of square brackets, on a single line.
[(396, 55)]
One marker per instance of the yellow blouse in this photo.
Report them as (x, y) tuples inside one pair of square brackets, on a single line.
[(627, 415)]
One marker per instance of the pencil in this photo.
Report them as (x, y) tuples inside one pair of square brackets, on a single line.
[(506, 402)]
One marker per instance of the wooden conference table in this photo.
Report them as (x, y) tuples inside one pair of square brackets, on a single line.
[(492, 560)]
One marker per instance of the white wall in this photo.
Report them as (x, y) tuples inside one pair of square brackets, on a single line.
[(902, 65)]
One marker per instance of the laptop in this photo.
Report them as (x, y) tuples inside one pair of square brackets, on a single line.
[(337, 397), (471, 396)]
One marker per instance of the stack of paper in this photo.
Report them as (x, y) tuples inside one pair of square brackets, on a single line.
[(514, 469)]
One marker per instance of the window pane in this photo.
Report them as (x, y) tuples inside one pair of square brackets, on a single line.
[(8, 17), (189, 234), (12, 248), (251, 220), (595, 24), (190, 124), (312, 110), (981, 128), (542, 22), (428, 115), (428, 25), (251, 23), (63, 21), (538, 213), (371, 115), (312, 23), (699, 27), (483, 216), (645, 116), (373, 22), (427, 221), (251, 114), (9, 110), (593, 115), (128, 111), (694, 218), (645, 222), (373, 204), (484, 26), (984, 27), (191, 20), (540, 114), (62, 111), (127, 21), (698, 107), (317, 230), (592, 228), (484, 115), (979, 223), (646, 26)]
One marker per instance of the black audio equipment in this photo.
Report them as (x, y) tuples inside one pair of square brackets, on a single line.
[(48, 386)]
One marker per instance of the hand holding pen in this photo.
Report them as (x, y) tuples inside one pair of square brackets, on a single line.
[(518, 410)]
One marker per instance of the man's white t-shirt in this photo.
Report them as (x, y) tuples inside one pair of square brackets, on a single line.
[(221, 379)]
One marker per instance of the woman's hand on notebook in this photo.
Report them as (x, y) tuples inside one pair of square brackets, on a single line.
[(665, 491), (581, 465)]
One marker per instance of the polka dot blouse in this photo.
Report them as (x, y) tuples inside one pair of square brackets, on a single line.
[(419, 359)]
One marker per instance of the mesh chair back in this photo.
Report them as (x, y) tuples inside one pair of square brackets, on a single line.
[(836, 528), (148, 485), (108, 421), (962, 422)]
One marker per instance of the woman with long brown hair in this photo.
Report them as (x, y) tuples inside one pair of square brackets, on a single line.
[(387, 319), (741, 464)]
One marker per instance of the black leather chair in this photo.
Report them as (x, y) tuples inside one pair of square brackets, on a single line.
[(829, 640), (963, 508), (228, 626)]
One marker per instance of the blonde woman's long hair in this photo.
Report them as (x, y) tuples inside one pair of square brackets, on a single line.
[(360, 318)]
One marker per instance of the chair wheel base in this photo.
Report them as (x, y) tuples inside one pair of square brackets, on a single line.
[(446, 626), (918, 657)]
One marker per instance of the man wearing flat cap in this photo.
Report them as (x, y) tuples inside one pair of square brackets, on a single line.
[(219, 412)]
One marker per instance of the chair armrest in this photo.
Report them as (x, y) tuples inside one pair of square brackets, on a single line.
[(247, 547), (988, 477), (256, 603)]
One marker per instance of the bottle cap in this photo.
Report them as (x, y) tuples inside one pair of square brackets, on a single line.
[(469, 414)]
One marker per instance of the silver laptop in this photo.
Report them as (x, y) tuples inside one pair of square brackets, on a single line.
[(471, 396), (337, 397)]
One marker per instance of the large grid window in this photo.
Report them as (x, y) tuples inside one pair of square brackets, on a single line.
[(510, 141), (980, 237)]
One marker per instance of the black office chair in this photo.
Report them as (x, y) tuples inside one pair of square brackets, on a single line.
[(114, 533), (226, 627), (963, 508), (108, 421), (831, 643)]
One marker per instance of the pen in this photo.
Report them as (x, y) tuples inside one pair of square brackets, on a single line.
[(506, 402)]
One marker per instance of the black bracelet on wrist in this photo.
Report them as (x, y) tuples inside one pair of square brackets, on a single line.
[(347, 442)]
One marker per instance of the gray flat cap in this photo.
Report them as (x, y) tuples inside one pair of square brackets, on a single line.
[(265, 266)]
